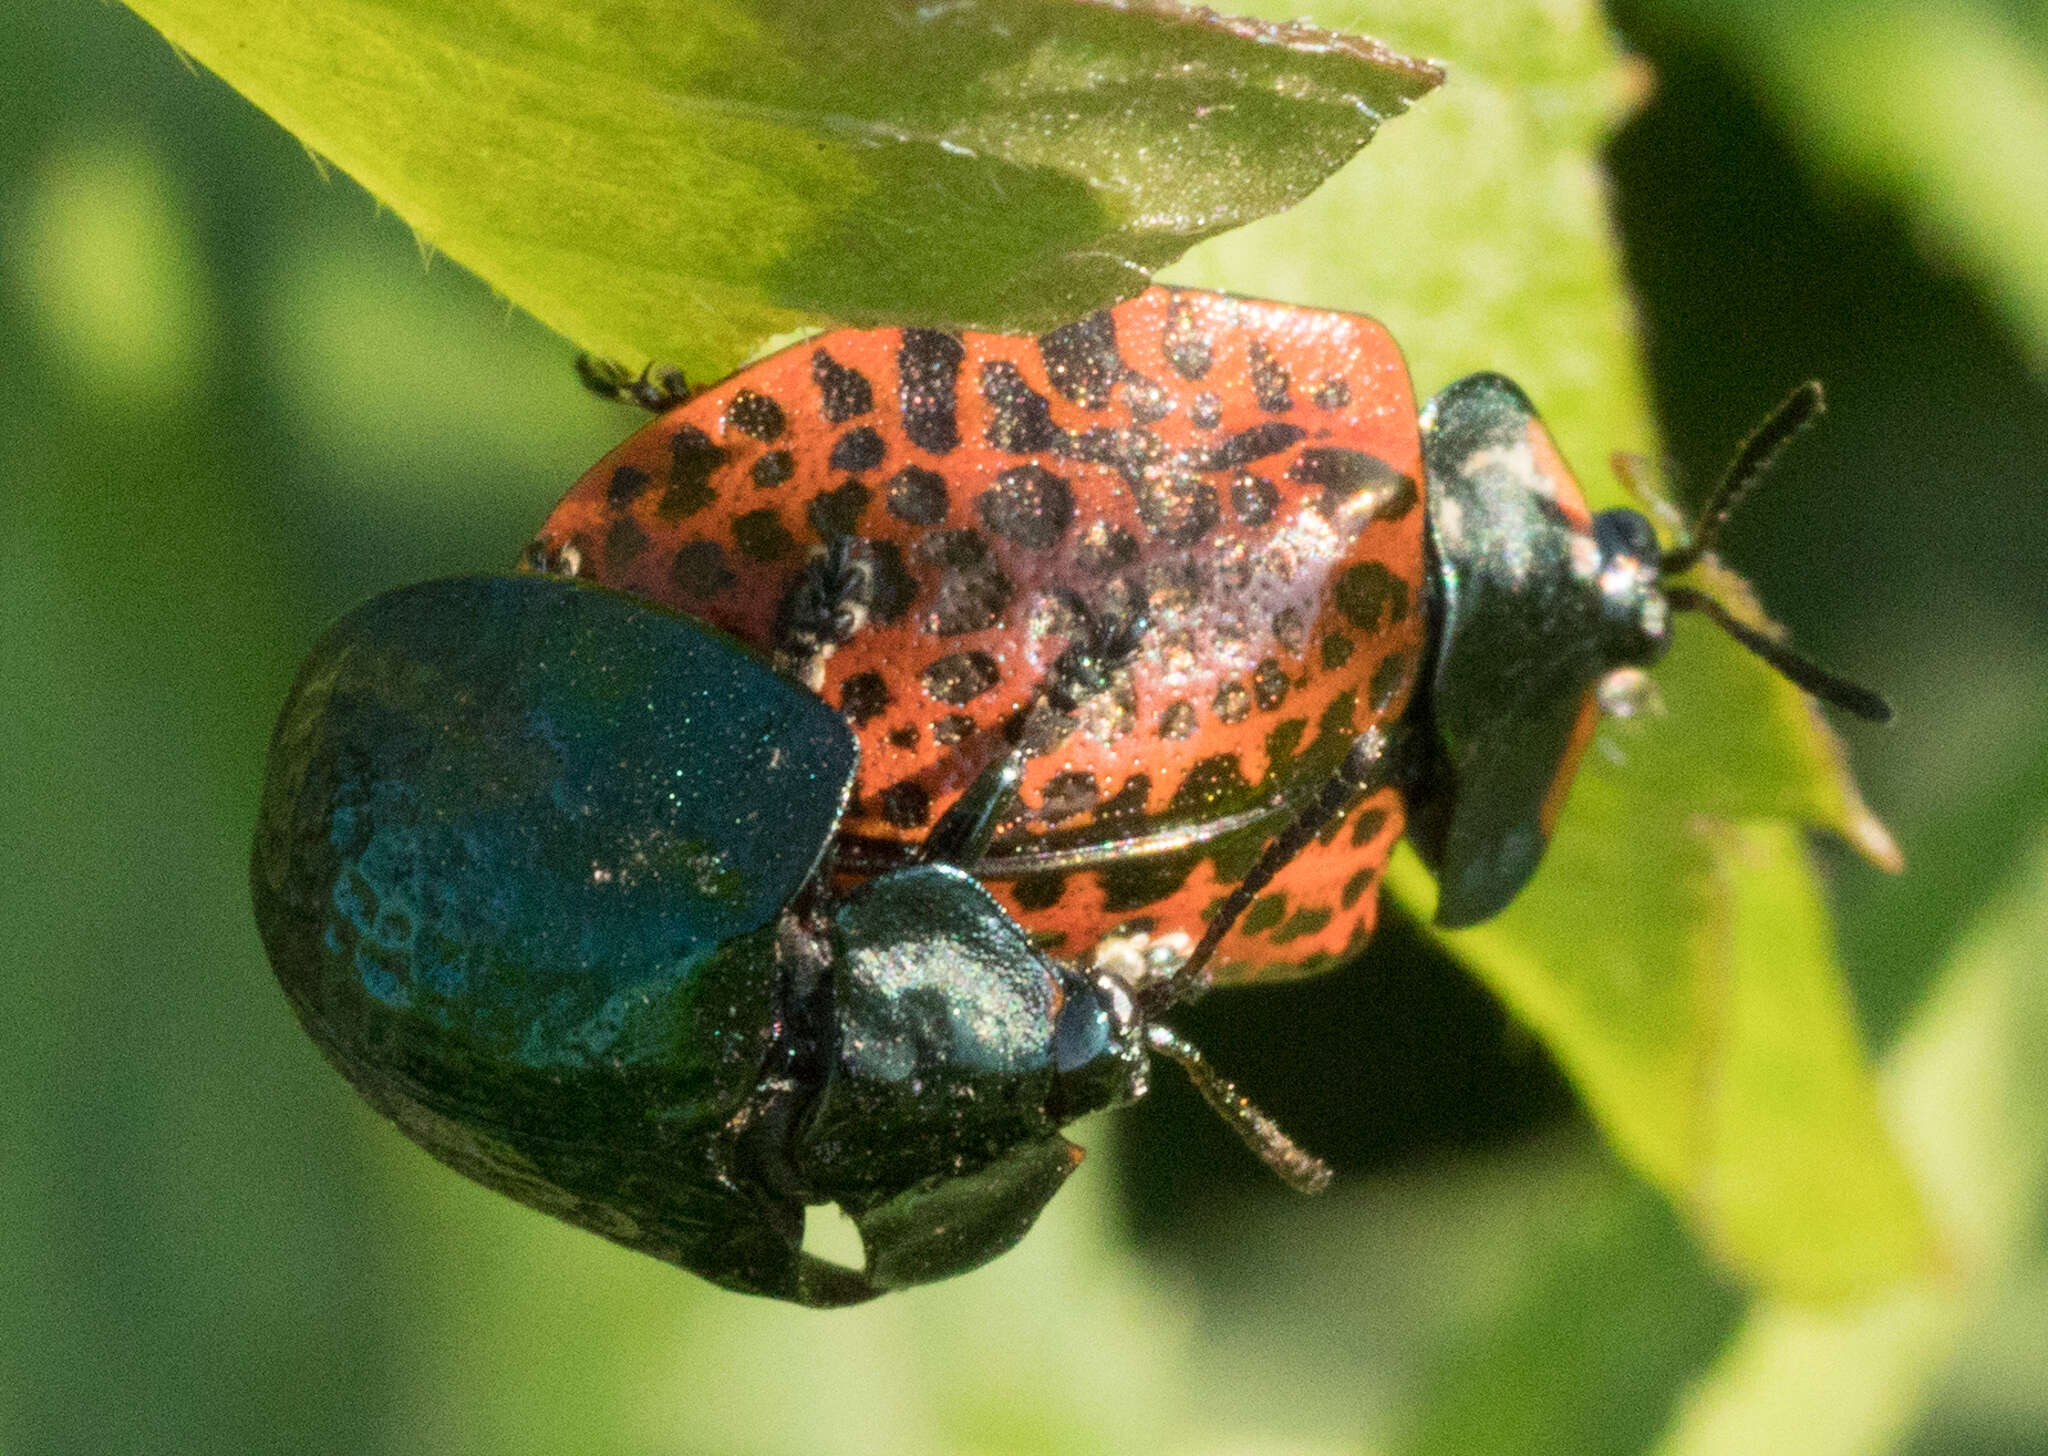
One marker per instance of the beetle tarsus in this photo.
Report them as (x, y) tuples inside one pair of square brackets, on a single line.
[(1105, 643), (656, 390), (825, 608)]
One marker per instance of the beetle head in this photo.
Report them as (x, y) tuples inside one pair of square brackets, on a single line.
[(1535, 600)]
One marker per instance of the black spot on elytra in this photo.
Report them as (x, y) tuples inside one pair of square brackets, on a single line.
[(1357, 885), (1134, 883), (756, 414), (1020, 418), (928, 374), (1284, 739), (1269, 685), (1304, 922), (857, 450), (1081, 359), (1127, 802), (1336, 651), (1289, 630), (1387, 680), (1366, 827), (837, 512), (958, 678), (1105, 548), (1337, 722), (1148, 400), (1028, 505), (1038, 892), (1242, 448), (1214, 785), (906, 805), (1177, 507), (963, 546), (1371, 597), (1174, 587), (1068, 794), (628, 484), (894, 587), (1268, 379), (624, 541), (863, 697), (699, 570), (1330, 394), (1400, 500), (1127, 450), (1206, 411), (972, 592), (1342, 469), (692, 459), (772, 469), (843, 394), (1186, 347), (953, 729), (1233, 702), (1041, 733), (1255, 500), (1266, 912), (917, 495), (905, 737), (680, 502), (761, 536)]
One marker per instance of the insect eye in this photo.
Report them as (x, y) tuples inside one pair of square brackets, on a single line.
[(1625, 533)]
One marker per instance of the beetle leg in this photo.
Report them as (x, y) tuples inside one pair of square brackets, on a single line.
[(963, 832), (655, 390), (1103, 644), (1368, 767), (1298, 1168)]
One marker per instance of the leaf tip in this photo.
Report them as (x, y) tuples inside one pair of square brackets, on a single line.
[(1850, 816)]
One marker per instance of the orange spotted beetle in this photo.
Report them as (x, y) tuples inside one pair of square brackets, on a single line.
[(1194, 555)]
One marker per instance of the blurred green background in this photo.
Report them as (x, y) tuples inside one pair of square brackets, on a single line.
[(239, 400)]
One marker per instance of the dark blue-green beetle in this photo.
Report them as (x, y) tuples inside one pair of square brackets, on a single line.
[(548, 873), (545, 872)]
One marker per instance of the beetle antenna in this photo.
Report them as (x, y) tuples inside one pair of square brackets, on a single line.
[(1298, 1168), (1362, 770), (1828, 686), (1801, 408)]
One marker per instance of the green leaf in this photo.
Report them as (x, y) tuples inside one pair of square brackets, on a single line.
[(1966, 1086), (1941, 107), (1014, 162), (1717, 1054), (1577, 1358), (1799, 1181), (1606, 1337), (684, 183)]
